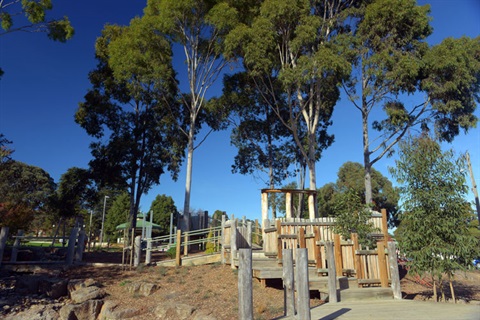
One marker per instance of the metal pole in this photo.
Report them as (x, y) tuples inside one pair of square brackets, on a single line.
[(170, 239), (103, 219)]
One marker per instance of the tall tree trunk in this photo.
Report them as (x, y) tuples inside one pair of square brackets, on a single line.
[(188, 180), (366, 153), (301, 186)]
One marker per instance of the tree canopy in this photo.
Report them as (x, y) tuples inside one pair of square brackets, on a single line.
[(25, 191), (393, 59), (162, 207)]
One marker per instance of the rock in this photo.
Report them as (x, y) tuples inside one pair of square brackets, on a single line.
[(83, 311), (53, 288), (112, 310), (203, 316), (28, 284), (76, 284), (171, 310), (143, 288), (37, 312), (87, 293)]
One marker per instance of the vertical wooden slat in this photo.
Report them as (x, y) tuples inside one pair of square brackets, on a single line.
[(384, 224), (178, 260), (301, 238), (356, 258), (279, 240), (338, 255), (382, 264)]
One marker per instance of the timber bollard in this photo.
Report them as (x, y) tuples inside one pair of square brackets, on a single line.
[(148, 255), (245, 290), (137, 251), (332, 275), (288, 283), (71, 246), (303, 290), (80, 246), (394, 274)]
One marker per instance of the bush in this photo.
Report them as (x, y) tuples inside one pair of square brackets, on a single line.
[(172, 252)]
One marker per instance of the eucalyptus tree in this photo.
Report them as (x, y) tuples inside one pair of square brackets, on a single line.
[(263, 143), (126, 111), (394, 60), (5, 151), (198, 26), (163, 208), (35, 12), (301, 44), (435, 221)]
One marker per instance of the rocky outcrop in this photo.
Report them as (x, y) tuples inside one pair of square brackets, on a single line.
[(141, 288), (172, 310)]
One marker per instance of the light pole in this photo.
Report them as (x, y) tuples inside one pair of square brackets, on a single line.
[(90, 231), (103, 219)]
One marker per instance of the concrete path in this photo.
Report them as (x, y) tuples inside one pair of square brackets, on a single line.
[(395, 309)]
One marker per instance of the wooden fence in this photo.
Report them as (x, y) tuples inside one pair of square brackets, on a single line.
[(370, 267)]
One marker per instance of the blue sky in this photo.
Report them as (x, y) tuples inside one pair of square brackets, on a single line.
[(44, 81)]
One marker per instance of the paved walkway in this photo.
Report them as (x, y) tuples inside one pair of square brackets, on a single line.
[(395, 309)]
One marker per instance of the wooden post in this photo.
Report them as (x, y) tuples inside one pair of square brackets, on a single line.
[(264, 206), (223, 239), (178, 259), (148, 255), (80, 246), (245, 290), (303, 290), (288, 283), (257, 237), (382, 264), (16, 245), (301, 238), (384, 224), (71, 246), (233, 242), (3, 242), (357, 260), (248, 234), (311, 206), (394, 274), (185, 244), (338, 255), (137, 251), (278, 224), (288, 205), (317, 250), (332, 278)]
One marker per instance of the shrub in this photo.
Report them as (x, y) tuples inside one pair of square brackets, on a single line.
[(172, 252)]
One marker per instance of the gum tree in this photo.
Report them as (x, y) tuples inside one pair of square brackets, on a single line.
[(198, 26), (301, 45), (393, 60), (126, 112), (435, 220)]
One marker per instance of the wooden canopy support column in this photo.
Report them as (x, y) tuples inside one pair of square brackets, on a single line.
[(312, 199), (288, 204)]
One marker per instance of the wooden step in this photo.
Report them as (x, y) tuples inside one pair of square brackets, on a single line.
[(358, 294)]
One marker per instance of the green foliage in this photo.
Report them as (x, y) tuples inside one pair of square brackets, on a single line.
[(210, 246), (36, 13), (74, 192), (117, 213), (435, 223), (217, 218), (352, 216), (162, 207), (5, 151), (172, 252), (25, 191)]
